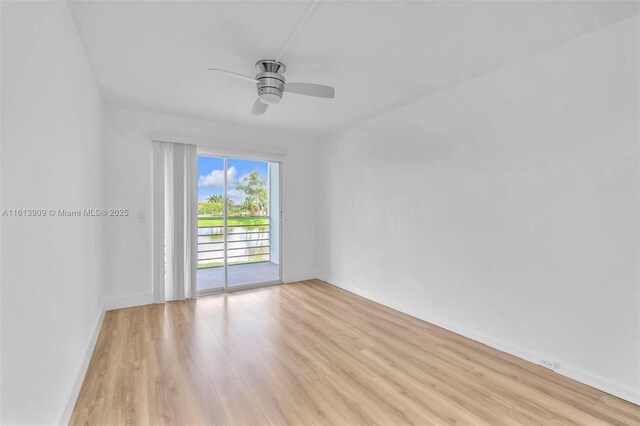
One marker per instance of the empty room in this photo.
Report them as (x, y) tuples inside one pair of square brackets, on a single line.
[(319, 212)]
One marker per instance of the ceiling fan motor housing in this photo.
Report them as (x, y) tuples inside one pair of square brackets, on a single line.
[(270, 81)]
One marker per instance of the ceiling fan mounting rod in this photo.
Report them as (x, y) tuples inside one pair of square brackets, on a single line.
[(303, 20), (270, 65)]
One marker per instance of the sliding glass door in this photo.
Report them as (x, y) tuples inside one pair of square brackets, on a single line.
[(238, 223), (249, 217)]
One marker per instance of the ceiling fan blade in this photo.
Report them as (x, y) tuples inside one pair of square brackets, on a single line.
[(310, 89), (235, 74), (259, 107)]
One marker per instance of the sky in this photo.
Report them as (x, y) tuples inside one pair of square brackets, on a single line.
[(211, 176)]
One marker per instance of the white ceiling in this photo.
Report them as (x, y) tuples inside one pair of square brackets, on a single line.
[(378, 55)]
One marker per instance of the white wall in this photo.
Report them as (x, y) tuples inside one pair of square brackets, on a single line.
[(505, 208), (51, 149), (128, 136), (1, 206)]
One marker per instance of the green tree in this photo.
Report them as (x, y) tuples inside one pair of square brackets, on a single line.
[(232, 209), (213, 209), (255, 191), (214, 198)]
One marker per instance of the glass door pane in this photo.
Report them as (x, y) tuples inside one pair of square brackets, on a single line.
[(253, 220), (211, 253)]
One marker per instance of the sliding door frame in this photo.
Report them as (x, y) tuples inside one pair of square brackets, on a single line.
[(225, 228), (204, 152)]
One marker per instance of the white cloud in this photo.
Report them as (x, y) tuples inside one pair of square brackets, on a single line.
[(216, 178), (236, 195)]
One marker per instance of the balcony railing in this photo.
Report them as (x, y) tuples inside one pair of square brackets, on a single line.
[(248, 240)]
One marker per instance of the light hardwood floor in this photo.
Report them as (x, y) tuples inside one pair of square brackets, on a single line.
[(309, 353)]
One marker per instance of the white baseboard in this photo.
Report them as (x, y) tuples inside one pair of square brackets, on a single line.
[(129, 301), (140, 299), (299, 276), (598, 382), (567, 370), (72, 395)]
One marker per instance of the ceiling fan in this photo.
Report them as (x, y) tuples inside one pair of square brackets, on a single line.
[(271, 84)]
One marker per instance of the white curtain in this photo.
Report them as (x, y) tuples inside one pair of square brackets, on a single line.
[(175, 219)]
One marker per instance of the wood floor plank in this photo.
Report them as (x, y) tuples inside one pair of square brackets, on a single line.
[(622, 411), (239, 404), (310, 353), (219, 367), (195, 401)]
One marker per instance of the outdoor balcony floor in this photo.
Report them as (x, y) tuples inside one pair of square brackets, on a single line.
[(249, 273)]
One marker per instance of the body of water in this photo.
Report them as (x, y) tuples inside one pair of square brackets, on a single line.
[(244, 244)]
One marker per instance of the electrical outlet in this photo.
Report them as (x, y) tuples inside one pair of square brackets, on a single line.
[(547, 363)]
